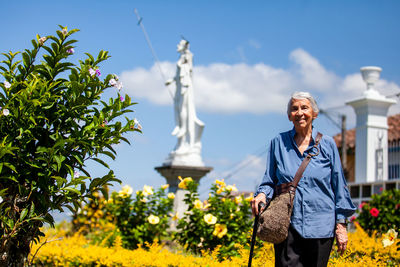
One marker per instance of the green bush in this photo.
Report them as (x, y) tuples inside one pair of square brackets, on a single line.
[(381, 213), (139, 220), (222, 221), (142, 219), (52, 121)]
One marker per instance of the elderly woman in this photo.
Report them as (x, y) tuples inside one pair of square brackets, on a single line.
[(322, 202)]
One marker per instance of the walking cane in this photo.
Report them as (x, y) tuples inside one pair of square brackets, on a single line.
[(255, 227)]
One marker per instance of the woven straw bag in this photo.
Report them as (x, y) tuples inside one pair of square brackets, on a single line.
[(275, 218)]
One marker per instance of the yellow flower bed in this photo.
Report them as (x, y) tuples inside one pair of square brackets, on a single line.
[(75, 251)]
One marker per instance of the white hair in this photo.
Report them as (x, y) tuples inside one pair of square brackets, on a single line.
[(303, 95)]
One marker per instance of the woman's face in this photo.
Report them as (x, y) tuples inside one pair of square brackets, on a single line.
[(301, 113)]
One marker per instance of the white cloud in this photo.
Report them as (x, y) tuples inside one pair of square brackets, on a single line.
[(254, 44), (260, 88)]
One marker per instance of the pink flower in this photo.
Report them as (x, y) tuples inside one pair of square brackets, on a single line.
[(122, 98), (362, 205), (352, 218), (70, 51), (374, 212), (98, 73)]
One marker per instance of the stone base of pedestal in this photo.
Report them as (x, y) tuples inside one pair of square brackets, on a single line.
[(171, 173)]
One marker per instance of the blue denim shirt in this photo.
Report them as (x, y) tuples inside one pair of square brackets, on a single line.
[(322, 195)]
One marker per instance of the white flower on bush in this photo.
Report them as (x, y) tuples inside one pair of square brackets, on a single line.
[(112, 82), (126, 191), (198, 204), (137, 124), (6, 112), (210, 219), (231, 188), (42, 40), (389, 238), (115, 82), (147, 190), (153, 219), (92, 72), (1, 199), (7, 84)]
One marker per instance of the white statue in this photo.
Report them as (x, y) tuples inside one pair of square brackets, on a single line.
[(188, 127)]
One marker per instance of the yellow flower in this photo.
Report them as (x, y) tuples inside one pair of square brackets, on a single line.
[(184, 183), (165, 186), (126, 191), (238, 200), (249, 198), (231, 188), (220, 190), (389, 238), (220, 230), (198, 204), (147, 190), (171, 195), (210, 219), (220, 183), (175, 216), (153, 219), (206, 205)]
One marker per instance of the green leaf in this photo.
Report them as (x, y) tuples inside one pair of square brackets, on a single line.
[(24, 212), (101, 162), (32, 210), (72, 190)]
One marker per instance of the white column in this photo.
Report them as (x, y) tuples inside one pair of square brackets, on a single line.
[(371, 130)]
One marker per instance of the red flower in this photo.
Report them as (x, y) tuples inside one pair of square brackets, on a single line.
[(362, 205), (397, 206), (374, 212), (353, 218)]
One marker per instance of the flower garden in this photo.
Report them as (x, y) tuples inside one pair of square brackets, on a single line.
[(53, 120), (128, 230)]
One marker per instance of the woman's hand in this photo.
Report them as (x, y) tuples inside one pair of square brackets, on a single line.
[(341, 237), (254, 203)]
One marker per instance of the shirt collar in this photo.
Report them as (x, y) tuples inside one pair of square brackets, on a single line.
[(313, 134)]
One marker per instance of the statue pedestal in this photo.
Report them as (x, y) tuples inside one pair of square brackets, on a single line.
[(171, 173)]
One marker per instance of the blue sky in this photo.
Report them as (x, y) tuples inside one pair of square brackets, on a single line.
[(249, 57)]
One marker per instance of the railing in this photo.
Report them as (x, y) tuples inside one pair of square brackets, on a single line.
[(362, 192)]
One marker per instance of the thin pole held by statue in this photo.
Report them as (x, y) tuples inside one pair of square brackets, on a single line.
[(146, 36)]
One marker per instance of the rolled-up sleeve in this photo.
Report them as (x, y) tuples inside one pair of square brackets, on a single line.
[(344, 207), (269, 180)]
